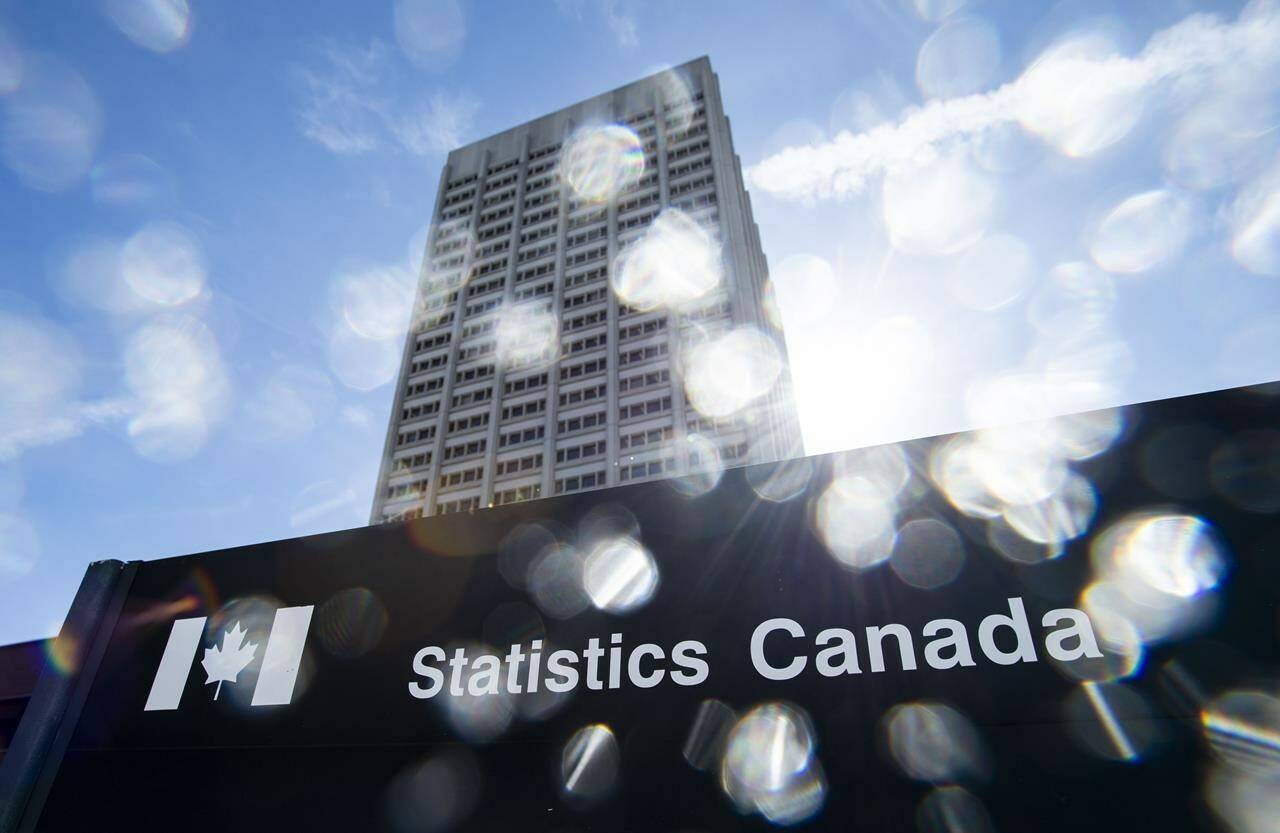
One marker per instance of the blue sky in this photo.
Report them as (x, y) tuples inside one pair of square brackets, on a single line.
[(210, 213)]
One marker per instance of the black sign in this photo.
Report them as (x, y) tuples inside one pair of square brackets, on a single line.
[(1067, 626)]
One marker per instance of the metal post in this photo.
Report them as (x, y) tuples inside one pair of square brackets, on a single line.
[(54, 708)]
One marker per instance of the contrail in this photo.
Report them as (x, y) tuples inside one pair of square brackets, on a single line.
[(1079, 96)]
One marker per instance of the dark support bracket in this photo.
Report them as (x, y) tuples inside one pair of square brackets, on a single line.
[(31, 761)]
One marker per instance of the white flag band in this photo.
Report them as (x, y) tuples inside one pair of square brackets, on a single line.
[(276, 677)]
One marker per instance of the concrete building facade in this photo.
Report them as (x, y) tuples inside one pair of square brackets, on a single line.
[(516, 257)]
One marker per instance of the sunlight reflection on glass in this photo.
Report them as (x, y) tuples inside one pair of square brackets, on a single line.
[(158, 25), (783, 481), (992, 273), (675, 94), (1249, 803), (1255, 228), (164, 264), (935, 743), (1246, 470), (40, 369), (362, 363), (1243, 729), (958, 59), (1111, 720), (937, 209), (1077, 296), (351, 622), (589, 763), (1142, 232), (952, 809), (935, 10), (600, 162), (436, 794), (620, 575), (486, 708), (429, 32), (705, 466), (1061, 516), (709, 733), (809, 285), (726, 373), (11, 62), (676, 261), (555, 581), (769, 766), (51, 124), (324, 505), (174, 367), (128, 179), (1155, 572), (375, 302), (521, 548), (1078, 97), (927, 554), (1220, 139), (854, 518), (527, 336), (19, 547)]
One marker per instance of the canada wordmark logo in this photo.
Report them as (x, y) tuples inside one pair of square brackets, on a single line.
[(224, 661)]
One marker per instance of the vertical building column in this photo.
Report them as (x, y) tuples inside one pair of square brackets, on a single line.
[(406, 358), (500, 372), (455, 336), (679, 423), (557, 309)]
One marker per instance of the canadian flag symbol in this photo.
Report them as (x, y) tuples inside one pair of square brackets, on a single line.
[(224, 661)]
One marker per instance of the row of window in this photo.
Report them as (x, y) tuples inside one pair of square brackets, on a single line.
[(586, 451), (524, 409), (418, 411), (467, 449), (466, 504), (580, 395), (526, 383), (457, 478), (412, 462), (635, 410), (639, 381), (642, 439), (415, 436), (468, 423), (582, 422), (522, 436), (530, 492), (531, 462), (412, 487), (471, 397), (578, 482), (652, 468)]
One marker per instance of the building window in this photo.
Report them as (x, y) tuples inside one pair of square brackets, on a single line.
[(578, 482)]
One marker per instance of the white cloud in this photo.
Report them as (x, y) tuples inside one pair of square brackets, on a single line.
[(622, 25), (66, 425), (620, 21), (340, 110), (1080, 96), (438, 126), (351, 105)]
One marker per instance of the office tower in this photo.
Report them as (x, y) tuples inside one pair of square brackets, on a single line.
[(584, 274)]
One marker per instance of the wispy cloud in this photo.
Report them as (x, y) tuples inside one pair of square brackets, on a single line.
[(438, 126), (74, 421), (621, 22), (1080, 96), (352, 104)]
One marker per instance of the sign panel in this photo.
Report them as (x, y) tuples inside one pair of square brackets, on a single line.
[(1065, 626)]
